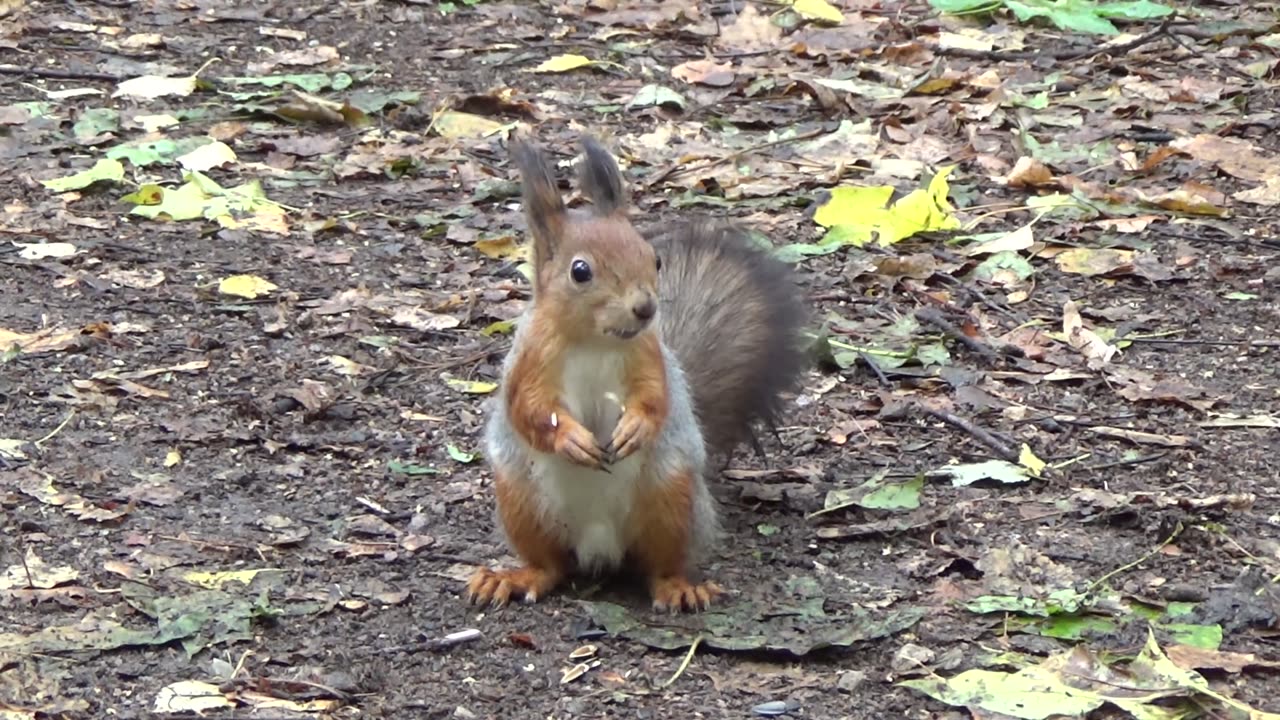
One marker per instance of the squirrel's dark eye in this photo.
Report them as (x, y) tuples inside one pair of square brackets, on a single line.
[(658, 261), (580, 271)]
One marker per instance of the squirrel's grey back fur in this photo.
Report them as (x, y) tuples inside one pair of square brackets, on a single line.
[(731, 314)]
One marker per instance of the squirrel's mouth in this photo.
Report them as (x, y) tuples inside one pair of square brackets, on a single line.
[(624, 333)]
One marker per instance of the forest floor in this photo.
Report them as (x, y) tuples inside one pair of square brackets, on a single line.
[(1041, 418)]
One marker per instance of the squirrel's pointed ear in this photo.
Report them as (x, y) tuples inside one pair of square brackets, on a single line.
[(599, 178), (543, 207)]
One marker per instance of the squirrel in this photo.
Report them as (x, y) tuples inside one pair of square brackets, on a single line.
[(636, 360)]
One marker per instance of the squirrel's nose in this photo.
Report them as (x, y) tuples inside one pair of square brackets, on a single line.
[(646, 309)]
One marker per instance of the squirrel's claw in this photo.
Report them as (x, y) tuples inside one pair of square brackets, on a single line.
[(632, 432), (496, 587), (677, 594), (577, 444)]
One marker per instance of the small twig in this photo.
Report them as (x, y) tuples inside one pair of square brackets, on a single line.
[(980, 434), (1214, 343), (1128, 461), (875, 369), (688, 658), (30, 583), (56, 430), (1159, 32), (1129, 566), (55, 74), (935, 318)]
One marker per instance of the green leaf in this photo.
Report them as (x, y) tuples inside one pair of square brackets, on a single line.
[(95, 121), (1208, 637), (396, 466), (105, 170), (998, 470), (151, 152), (895, 496), (310, 82), (964, 6), (875, 494), (1134, 10), (1070, 15), (651, 95), (458, 454), (933, 354)]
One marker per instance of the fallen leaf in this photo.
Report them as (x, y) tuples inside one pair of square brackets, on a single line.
[(150, 87), (563, 63), (104, 170), (818, 10), (40, 251), (208, 156), (705, 72), (246, 286), (1143, 438), (1096, 350)]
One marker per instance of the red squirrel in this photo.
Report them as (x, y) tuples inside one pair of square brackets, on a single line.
[(635, 362)]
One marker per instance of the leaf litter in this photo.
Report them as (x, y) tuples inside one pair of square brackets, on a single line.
[(1036, 207)]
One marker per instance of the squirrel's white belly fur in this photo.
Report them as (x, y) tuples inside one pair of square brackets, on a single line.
[(592, 507), (590, 510)]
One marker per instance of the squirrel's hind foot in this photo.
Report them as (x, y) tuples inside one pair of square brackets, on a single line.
[(676, 594), (497, 587)]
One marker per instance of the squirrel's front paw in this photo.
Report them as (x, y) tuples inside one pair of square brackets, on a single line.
[(675, 594), (497, 586), (578, 444), (633, 431)]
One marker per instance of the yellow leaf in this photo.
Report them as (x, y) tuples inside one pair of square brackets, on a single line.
[(1095, 261), (564, 63), (208, 156), (853, 213), (500, 247), (852, 205), (818, 10), (498, 327), (215, 580), (454, 124), (245, 286), (473, 387), (173, 457), (1029, 460)]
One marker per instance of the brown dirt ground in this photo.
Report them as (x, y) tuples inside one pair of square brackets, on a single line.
[(251, 455)]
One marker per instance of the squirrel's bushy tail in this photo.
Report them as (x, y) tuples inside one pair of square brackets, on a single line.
[(731, 313)]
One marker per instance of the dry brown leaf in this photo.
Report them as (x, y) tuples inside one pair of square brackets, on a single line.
[(753, 30), (1085, 341), (1029, 172), (1232, 155), (705, 72)]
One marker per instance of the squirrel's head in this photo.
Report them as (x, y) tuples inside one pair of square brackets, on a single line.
[(592, 270)]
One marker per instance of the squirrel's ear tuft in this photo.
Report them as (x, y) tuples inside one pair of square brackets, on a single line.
[(543, 207), (600, 179)]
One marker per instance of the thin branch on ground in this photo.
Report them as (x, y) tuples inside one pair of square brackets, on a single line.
[(936, 319), (982, 435), (56, 74), (1129, 566), (693, 648)]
